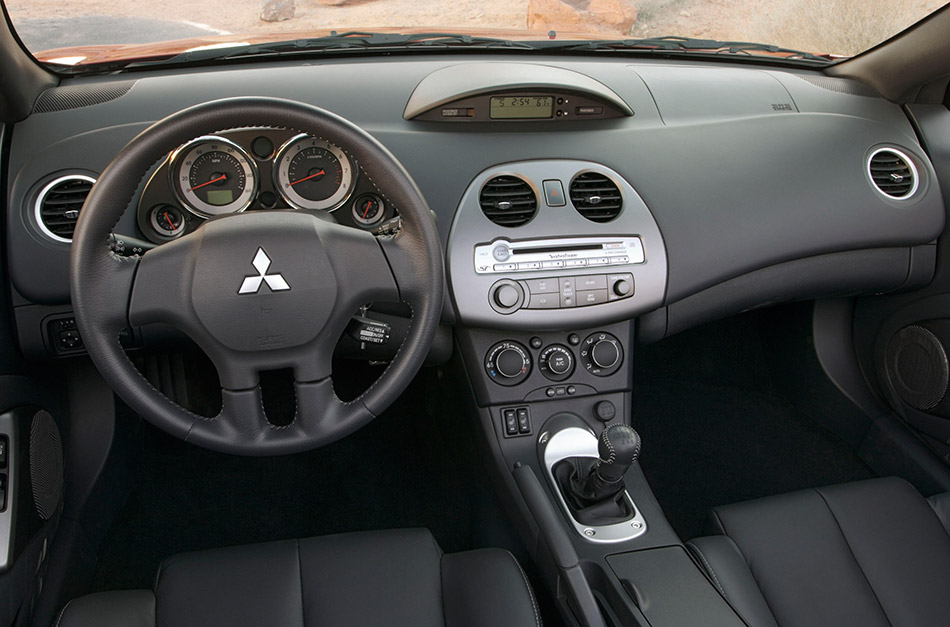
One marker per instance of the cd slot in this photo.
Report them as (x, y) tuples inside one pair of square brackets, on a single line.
[(555, 249)]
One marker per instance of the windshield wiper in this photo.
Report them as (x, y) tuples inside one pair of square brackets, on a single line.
[(688, 44), (348, 41)]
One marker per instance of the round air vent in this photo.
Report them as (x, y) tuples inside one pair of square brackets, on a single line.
[(596, 197), (508, 201), (58, 205), (893, 173)]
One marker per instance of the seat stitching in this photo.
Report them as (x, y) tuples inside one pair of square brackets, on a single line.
[(62, 613), (534, 602), (709, 567), (303, 612), (853, 556)]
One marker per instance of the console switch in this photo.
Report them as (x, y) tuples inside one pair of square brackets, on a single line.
[(516, 421)]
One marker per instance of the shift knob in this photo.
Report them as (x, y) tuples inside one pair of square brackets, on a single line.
[(619, 448)]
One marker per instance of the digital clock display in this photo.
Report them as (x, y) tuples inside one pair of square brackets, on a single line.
[(521, 107)]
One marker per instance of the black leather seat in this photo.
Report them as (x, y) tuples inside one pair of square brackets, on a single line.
[(375, 578), (862, 554)]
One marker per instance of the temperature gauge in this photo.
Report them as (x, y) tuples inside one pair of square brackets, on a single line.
[(368, 209), (168, 221)]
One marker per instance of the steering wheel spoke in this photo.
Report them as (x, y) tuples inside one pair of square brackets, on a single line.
[(162, 286)]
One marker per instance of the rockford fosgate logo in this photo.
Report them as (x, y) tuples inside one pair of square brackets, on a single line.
[(252, 283)]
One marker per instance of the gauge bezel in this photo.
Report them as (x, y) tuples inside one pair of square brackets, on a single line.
[(190, 200), (162, 232), (282, 179), (359, 219)]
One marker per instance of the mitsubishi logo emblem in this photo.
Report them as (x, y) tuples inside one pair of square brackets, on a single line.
[(252, 283)]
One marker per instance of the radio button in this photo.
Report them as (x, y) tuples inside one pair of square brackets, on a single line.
[(530, 265), (574, 263), (504, 267), (552, 264), (543, 286), (592, 282), (591, 297), (544, 301), (619, 260), (598, 261)]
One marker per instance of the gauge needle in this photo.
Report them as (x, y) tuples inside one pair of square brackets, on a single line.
[(369, 203), (220, 178), (307, 178), (170, 223)]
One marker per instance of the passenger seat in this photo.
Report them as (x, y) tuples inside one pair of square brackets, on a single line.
[(865, 554)]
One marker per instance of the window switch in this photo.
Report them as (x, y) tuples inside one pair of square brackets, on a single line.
[(3, 492), (3, 451)]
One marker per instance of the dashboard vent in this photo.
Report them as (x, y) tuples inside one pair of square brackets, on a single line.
[(59, 203), (596, 197), (508, 201), (893, 173)]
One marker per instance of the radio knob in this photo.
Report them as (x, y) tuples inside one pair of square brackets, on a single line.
[(507, 296), (604, 353), (622, 287)]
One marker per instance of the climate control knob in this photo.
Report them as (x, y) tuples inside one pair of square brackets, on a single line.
[(605, 353), (556, 362), (601, 354), (508, 363)]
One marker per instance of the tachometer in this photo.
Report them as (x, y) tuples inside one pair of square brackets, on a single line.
[(213, 176), (312, 173)]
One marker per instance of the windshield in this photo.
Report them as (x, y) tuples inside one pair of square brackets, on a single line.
[(78, 32)]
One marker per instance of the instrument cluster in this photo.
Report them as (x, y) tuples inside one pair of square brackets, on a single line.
[(256, 170)]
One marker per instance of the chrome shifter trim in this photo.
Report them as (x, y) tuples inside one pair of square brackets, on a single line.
[(580, 442)]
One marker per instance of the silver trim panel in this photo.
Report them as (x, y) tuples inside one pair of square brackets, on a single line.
[(579, 442)]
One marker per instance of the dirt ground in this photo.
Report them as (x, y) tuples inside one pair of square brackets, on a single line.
[(804, 24)]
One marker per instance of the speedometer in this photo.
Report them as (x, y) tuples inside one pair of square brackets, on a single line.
[(213, 176), (312, 173)]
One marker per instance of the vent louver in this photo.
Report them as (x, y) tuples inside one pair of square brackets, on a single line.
[(596, 197), (508, 201), (893, 173), (59, 203)]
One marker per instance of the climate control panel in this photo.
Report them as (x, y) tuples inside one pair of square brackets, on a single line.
[(510, 367), (509, 362)]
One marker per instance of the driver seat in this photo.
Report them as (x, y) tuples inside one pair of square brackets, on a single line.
[(392, 578)]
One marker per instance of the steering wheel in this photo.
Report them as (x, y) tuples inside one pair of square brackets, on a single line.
[(311, 275)]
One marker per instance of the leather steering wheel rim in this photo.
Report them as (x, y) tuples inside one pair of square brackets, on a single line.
[(192, 283)]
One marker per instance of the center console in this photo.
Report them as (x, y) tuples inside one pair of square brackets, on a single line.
[(549, 264)]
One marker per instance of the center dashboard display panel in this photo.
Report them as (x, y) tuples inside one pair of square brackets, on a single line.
[(521, 107)]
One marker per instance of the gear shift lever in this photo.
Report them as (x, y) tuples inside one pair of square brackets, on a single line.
[(594, 488), (619, 448)]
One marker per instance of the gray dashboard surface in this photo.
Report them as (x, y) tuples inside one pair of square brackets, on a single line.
[(733, 184)]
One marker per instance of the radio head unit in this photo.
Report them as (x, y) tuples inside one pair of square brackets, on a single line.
[(505, 256)]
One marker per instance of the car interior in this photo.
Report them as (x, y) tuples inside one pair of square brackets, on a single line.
[(477, 334)]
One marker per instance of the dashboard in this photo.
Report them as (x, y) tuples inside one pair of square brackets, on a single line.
[(569, 193)]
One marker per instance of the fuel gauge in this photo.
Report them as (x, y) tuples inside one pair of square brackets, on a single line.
[(168, 221), (368, 209)]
